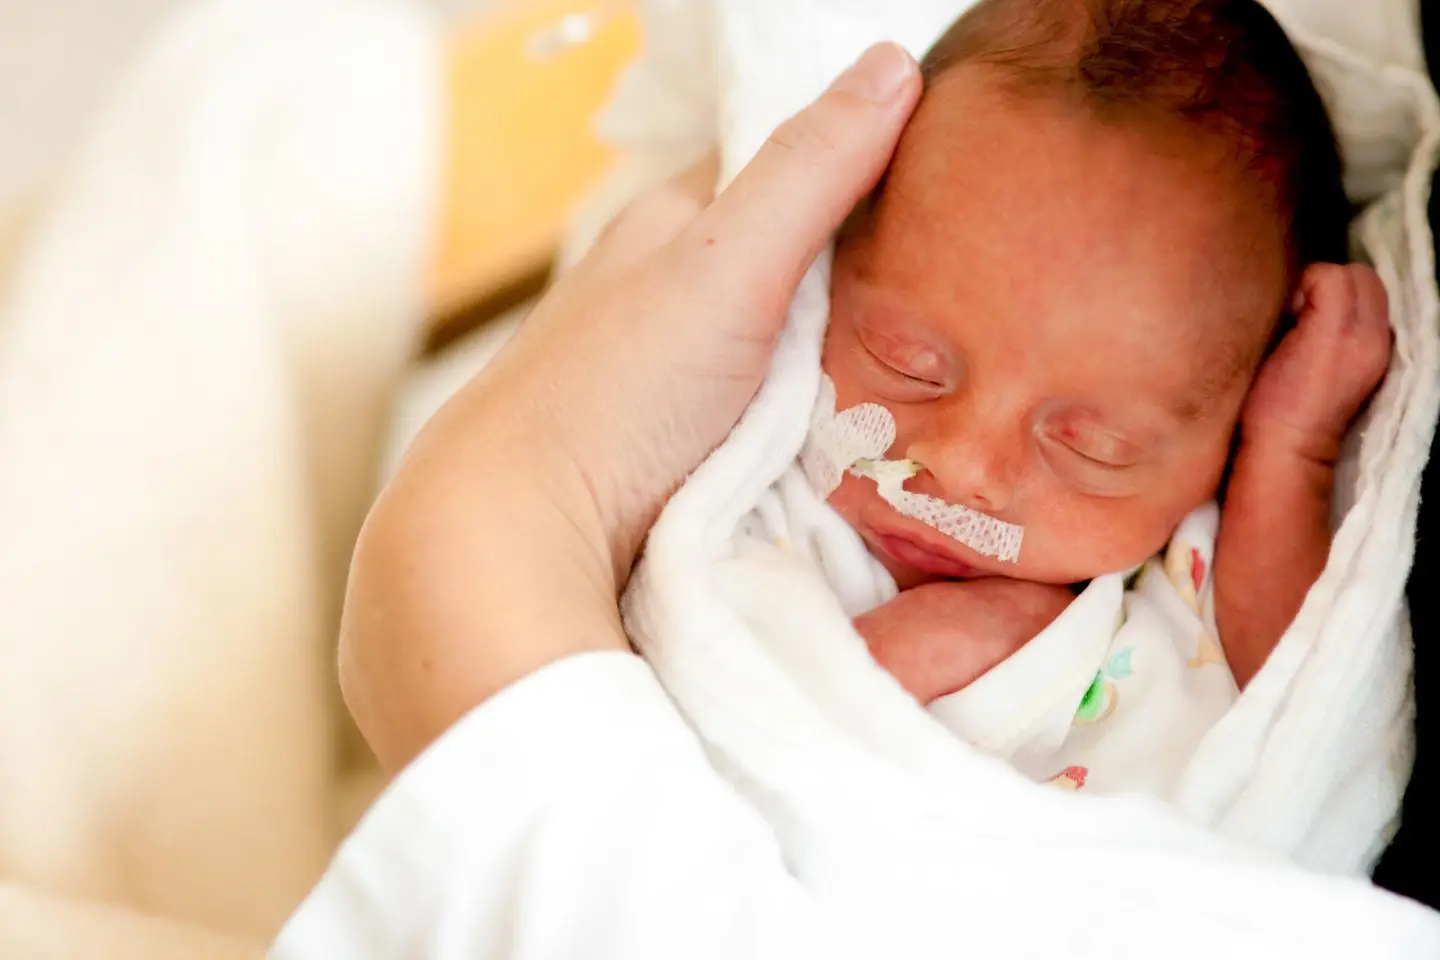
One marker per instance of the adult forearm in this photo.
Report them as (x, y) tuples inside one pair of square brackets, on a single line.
[(471, 550)]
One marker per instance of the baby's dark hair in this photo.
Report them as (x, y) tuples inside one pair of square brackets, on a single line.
[(1225, 65)]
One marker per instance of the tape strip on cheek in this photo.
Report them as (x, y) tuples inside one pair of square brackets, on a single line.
[(856, 441), (980, 532)]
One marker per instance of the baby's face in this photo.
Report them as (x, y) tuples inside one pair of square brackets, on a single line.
[(1063, 317)]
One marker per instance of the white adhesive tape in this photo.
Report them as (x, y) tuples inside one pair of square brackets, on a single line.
[(857, 439)]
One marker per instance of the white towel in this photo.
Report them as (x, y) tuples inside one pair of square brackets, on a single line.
[(759, 654)]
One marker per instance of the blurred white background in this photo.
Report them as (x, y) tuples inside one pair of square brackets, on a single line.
[(57, 60)]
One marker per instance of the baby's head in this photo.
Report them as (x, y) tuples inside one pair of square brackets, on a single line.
[(1087, 241)]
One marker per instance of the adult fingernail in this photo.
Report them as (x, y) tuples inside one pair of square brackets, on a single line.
[(879, 75)]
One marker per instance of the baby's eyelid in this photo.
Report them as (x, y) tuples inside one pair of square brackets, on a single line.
[(908, 359), (1099, 462), (928, 364), (1100, 447)]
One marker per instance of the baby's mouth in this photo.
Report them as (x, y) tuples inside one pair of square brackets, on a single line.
[(982, 533), (906, 546), (918, 555)]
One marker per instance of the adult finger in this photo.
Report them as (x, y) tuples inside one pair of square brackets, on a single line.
[(785, 205), (699, 179), (653, 219)]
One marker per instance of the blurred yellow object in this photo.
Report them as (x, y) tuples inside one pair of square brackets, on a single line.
[(524, 83)]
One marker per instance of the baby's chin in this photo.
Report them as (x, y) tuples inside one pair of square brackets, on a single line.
[(908, 578)]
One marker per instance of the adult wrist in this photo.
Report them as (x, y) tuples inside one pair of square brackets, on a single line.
[(476, 568)]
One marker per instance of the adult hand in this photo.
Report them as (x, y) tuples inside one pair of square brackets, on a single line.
[(505, 538)]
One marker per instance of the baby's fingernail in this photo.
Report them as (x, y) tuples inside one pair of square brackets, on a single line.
[(1299, 302), (879, 75)]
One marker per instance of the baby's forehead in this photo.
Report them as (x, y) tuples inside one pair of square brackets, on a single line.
[(1019, 211), (972, 117)]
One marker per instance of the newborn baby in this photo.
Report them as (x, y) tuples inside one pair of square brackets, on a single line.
[(1100, 286)]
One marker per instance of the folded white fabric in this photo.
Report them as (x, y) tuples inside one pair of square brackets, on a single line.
[(1115, 695), (756, 647)]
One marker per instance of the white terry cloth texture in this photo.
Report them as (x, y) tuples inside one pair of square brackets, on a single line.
[(199, 338), (757, 649)]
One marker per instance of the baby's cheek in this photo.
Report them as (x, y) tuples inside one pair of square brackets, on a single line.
[(1077, 537), (849, 498), (840, 368), (1083, 539), (1081, 546)]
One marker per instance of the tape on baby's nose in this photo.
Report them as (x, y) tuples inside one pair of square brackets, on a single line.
[(856, 441)]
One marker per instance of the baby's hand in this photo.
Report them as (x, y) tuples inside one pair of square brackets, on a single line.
[(1325, 369), (1275, 525), (941, 637)]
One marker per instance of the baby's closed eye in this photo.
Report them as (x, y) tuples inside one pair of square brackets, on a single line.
[(1096, 444), (1093, 458), (908, 358)]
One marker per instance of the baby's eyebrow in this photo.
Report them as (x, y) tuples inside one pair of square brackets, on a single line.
[(1214, 379), (1190, 409), (1151, 421)]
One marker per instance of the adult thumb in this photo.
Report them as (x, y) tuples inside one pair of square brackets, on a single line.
[(790, 199)]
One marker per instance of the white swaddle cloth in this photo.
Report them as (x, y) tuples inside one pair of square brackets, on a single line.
[(864, 789), (1052, 709)]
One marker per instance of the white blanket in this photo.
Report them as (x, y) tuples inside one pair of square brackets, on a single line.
[(759, 655), (1114, 696)]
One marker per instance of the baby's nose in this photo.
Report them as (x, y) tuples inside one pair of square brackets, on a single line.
[(973, 468)]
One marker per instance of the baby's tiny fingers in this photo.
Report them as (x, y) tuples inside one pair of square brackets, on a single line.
[(1326, 290)]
